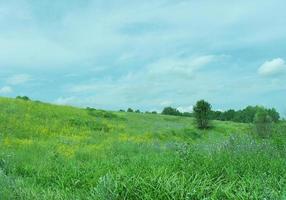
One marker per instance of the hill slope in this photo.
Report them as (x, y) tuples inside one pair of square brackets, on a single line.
[(60, 152)]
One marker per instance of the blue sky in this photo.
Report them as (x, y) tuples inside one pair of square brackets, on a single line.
[(114, 54)]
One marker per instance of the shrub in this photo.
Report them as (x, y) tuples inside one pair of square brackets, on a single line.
[(202, 114), (263, 123), (25, 98), (101, 113), (129, 110), (245, 115), (171, 111)]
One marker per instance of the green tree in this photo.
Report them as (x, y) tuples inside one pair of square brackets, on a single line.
[(25, 98), (202, 111), (129, 110), (274, 114), (171, 111), (263, 123)]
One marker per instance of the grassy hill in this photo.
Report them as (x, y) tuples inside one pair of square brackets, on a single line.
[(60, 152)]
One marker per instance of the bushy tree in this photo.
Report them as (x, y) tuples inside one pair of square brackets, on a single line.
[(274, 114), (202, 111), (171, 111), (245, 115), (229, 115), (263, 123), (217, 115), (129, 110), (25, 98)]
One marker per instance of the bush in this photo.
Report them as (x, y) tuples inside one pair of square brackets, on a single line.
[(263, 123), (101, 113), (245, 115), (202, 112), (25, 98), (171, 111), (129, 110)]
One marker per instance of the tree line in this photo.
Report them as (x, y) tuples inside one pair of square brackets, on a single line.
[(245, 115), (262, 118)]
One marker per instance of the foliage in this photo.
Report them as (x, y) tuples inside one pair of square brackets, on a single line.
[(25, 98), (187, 114), (130, 110), (171, 111), (202, 111), (60, 152), (244, 116), (101, 113), (263, 123)]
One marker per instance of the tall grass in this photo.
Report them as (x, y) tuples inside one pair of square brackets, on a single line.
[(54, 152)]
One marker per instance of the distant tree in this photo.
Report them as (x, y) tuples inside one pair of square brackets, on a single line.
[(274, 114), (249, 113), (90, 109), (137, 111), (25, 98), (263, 123), (129, 110), (121, 110), (171, 111), (154, 112), (228, 115), (217, 115), (245, 115), (202, 111)]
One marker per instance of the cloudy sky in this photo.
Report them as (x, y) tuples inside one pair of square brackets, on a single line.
[(114, 54)]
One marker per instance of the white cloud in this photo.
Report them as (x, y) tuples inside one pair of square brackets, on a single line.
[(272, 67), (18, 79), (6, 90), (180, 66)]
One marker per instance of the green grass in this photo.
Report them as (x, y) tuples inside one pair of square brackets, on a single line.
[(60, 152)]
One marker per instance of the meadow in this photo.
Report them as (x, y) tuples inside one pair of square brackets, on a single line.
[(61, 152)]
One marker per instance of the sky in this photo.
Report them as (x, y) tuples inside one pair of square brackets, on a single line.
[(115, 54)]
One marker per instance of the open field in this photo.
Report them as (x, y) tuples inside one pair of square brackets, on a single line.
[(58, 152)]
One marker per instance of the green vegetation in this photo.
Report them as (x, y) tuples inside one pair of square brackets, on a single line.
[(171, 111), (59, 152), (202, 111), (130, 110), (25, 98), (245, 115), (263, 123)]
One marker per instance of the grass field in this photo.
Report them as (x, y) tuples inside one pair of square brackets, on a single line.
[(59, 152)]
